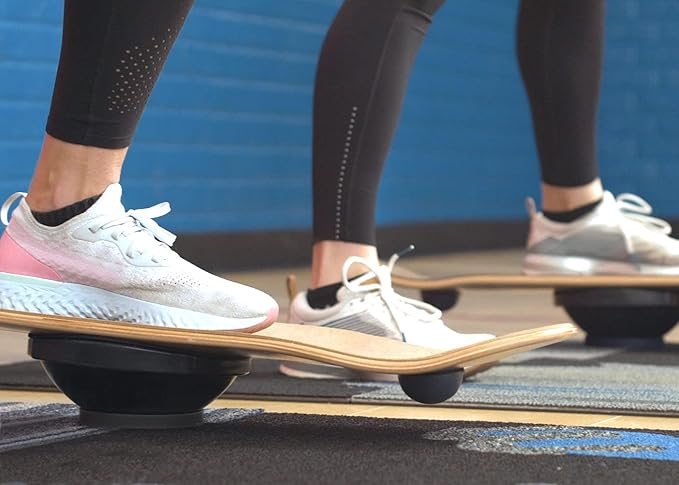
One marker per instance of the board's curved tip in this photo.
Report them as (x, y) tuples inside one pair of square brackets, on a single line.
[(565, 330), (568, 327)]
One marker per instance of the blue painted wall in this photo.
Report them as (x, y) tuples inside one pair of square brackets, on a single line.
[(226, 136)]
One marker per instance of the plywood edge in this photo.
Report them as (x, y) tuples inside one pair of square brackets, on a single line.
[(536, 281), (330, 346)]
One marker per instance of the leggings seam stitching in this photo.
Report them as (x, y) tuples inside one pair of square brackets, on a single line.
[(343, 166), (419, 13), (368, 105), (548, 86), (97, 75)]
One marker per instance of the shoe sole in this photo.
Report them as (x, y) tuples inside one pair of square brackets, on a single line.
[(536, 264), (301, 370), (38, 295)]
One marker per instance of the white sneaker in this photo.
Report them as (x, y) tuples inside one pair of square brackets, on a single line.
[(115, 265), (618, 237), (370, 305)]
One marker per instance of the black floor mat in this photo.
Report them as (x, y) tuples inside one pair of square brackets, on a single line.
[(568, 376), (264, 382), (45, 445)]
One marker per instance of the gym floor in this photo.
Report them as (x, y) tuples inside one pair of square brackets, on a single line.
[(496, 311)]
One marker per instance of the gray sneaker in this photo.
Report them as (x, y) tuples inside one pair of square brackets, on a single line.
[(618, 237)]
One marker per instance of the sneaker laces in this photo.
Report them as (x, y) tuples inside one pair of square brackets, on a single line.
[(637, 209), (377, 282), (136, 222)]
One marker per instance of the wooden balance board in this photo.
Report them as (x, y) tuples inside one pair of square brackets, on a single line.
[(283, 341), (614, 310), (491, 281), (135, 375)]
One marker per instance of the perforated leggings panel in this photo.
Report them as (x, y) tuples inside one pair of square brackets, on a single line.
[(112, 53)]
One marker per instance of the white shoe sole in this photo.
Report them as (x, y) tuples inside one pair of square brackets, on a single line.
[(537, 264), (38, 295), (301, 370)]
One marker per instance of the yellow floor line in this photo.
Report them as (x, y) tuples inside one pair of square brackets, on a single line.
[(411, 412), (607, 420)]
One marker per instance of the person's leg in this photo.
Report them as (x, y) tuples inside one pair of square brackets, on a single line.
[(362, 75), (111, 56), (361, 81), (67, 173), (560, 51), (581, 229), (71, 248), (112, 53)]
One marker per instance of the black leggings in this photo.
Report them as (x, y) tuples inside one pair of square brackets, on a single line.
[(560, 50), (112, 52), (361, 81)]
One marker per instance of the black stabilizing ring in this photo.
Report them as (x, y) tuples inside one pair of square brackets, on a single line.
[(125, 355)]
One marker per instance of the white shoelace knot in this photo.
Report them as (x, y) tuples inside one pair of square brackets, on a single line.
[(137, 222), (377, 281), (637, 209), (134, 222)]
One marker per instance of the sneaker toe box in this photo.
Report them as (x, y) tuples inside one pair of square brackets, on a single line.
[(240, 301), (205, 293)]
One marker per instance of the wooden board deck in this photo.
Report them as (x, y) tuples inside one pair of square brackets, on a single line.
[(497, 281), (290, 341)]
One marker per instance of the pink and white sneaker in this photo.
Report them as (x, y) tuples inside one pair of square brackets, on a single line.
[(110, 264)]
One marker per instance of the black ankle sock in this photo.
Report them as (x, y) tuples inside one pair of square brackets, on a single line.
[(59, 216), (570, 216), (325, 296)]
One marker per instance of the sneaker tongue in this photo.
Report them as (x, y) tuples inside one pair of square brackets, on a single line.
[(109, 203)]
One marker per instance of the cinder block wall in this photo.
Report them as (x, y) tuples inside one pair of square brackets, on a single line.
[(226, 137)]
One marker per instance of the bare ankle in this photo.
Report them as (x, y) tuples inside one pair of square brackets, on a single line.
[(562, 199), (329, 257), (68, 173)]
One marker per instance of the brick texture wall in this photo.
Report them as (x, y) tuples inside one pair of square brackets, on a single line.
[(226, 136)]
